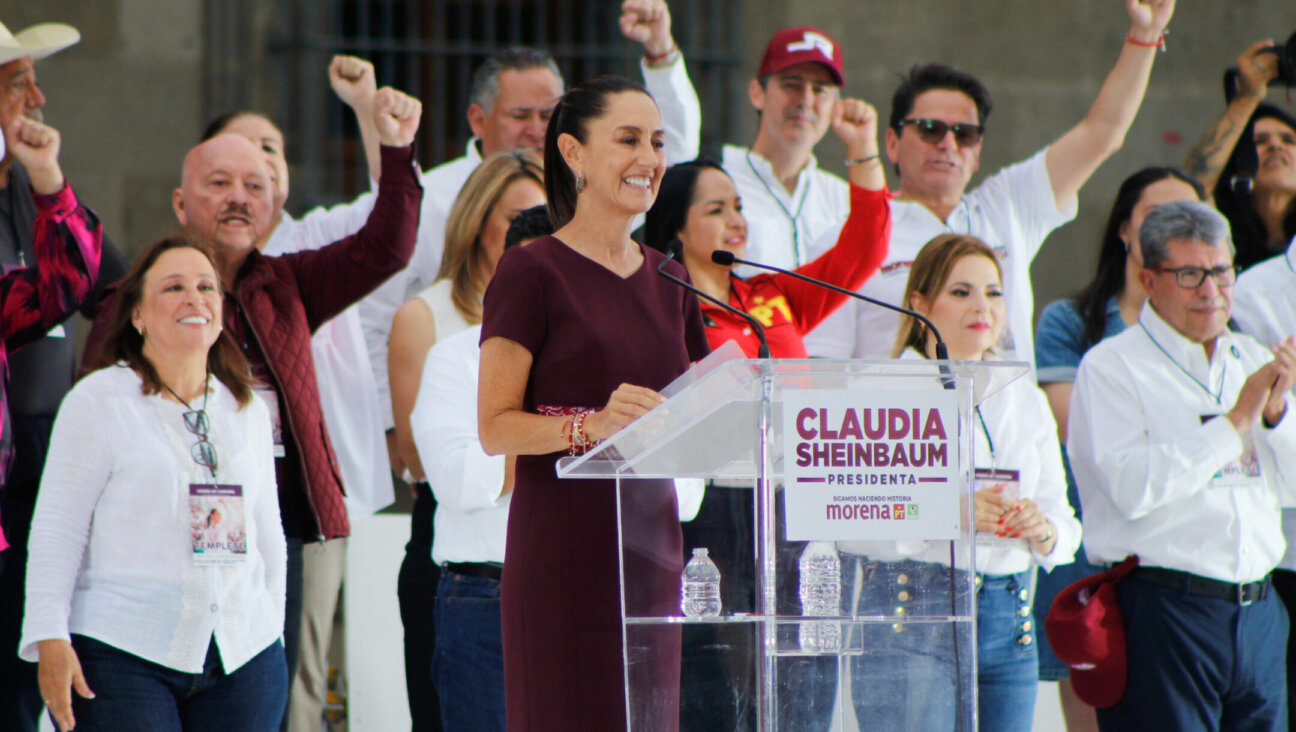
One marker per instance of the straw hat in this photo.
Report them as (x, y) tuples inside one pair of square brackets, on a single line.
[(37, 41)]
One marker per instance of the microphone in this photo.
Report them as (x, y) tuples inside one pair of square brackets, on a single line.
[(726, 259), (673, 250)]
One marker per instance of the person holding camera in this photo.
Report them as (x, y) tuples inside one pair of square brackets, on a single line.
[(1253, 184)]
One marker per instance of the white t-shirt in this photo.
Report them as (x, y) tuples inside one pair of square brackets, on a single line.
[(1013, 211)]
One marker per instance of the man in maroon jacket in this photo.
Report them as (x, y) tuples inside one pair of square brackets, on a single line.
[(274, 304)]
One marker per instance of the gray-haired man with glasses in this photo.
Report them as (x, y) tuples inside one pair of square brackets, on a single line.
[(1184, 451)]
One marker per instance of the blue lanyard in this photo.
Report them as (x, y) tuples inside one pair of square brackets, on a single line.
[(1217, 396)]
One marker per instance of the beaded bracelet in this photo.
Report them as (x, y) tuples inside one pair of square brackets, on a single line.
[(850, 162)]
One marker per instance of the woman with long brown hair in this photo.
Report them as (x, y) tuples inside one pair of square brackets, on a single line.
[(173, 627)]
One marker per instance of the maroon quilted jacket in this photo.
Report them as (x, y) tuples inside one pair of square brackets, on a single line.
[(286, 298)]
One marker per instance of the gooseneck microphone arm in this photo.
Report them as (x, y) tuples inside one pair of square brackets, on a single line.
[(726, 259), (673, 251)]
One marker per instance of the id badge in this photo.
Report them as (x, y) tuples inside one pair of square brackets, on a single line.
[(1006, 483), (271, 399), (1241, 473), (217, 523)]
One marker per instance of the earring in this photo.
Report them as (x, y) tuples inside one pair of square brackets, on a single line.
[(140, 329), (580, 182)]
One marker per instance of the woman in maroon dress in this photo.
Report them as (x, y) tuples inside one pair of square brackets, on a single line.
[(578, 334)]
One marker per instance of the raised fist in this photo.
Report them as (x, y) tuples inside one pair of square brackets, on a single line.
[(396, 116)]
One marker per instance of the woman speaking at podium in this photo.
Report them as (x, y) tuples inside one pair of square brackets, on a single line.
[(579, 331)]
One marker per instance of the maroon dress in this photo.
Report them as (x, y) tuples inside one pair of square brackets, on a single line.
[(589, 331)]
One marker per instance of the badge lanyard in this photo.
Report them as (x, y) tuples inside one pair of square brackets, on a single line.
[(989, 441), (796, 233), (1218, 396)]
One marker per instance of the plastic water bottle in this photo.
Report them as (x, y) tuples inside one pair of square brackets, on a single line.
[(820, 590), (700, 597)]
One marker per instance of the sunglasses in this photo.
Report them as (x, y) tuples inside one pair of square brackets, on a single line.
[(203, 452), (932, 131)]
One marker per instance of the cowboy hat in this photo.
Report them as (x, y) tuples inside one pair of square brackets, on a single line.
[(37, 41)]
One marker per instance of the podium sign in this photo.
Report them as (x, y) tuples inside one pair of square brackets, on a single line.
[(866, 465), (872, 460)]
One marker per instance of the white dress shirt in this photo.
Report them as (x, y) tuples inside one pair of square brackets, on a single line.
[(348, 393), (472, 514), (1019, 424), (782, 227), (1013, 211), (471, 518), (1264, 306), (681, 117), (111, 552), (1146, 463)]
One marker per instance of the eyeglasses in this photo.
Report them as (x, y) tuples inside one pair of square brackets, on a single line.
[(204, 452), (1190, 278), (932, 131)]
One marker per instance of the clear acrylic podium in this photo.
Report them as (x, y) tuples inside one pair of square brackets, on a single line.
[(872, 456)]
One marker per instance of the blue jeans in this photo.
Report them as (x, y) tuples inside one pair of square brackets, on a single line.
[(1199, 663), (134, 695), (1007, 663), (907, 677), (468, 665)]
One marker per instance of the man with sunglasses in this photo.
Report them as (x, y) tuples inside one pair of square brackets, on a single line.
[(1183, 448), (937, 119)]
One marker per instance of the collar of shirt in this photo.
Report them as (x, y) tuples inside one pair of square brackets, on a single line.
[(1188, 355)]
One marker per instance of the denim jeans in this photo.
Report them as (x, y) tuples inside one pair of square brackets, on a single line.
[(468, 665), (132, 694), (907, 677), (1007, 662)]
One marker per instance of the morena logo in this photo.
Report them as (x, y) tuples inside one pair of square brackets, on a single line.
[(810, 41)]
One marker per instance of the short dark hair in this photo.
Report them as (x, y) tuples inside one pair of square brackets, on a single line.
[(926, 77), (532, 223), (669, 213), (484, 89), (122, 343), (583, 103)]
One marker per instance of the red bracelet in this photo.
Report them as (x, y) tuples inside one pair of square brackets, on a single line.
[(1159, 43), (674, 50)]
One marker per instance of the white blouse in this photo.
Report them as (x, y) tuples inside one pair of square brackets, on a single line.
[(110, 555)]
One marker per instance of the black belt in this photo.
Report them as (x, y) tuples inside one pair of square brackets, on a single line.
[(480, 570), (1242, 594)]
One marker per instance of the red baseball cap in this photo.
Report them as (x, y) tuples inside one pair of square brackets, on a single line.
[(792, 46), (1087, 633)]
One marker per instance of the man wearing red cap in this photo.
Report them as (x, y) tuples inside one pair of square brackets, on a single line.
[(1183, 448), (788, 200)]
